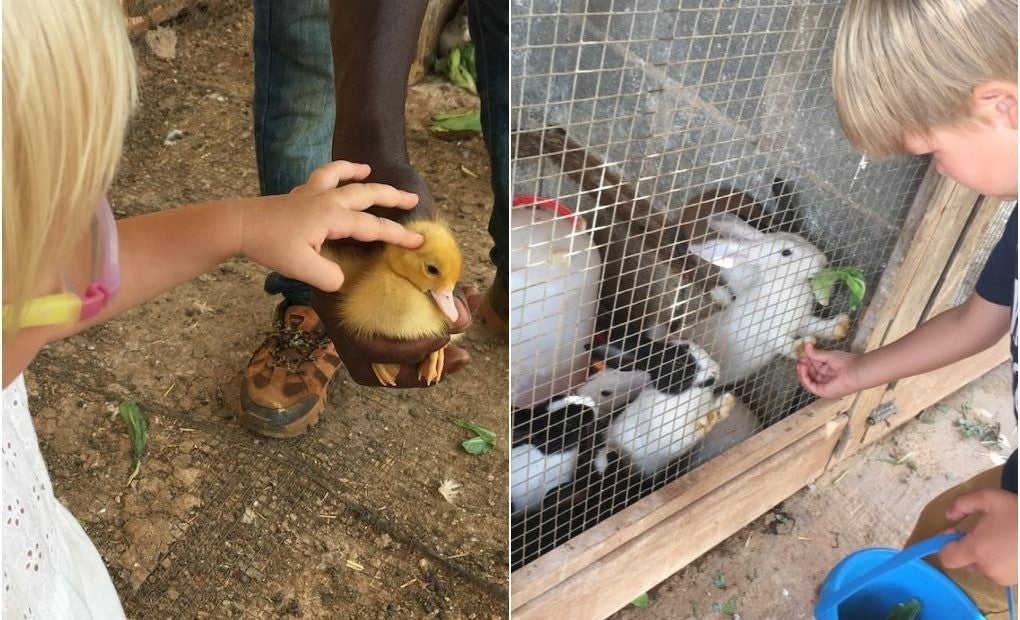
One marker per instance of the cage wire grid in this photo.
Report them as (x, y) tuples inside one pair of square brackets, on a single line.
[(648, 125)]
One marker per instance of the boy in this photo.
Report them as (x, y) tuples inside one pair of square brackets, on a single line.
[(939, 77)]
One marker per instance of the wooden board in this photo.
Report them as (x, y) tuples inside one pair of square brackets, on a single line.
[(913, 394), (591, 547), (977, 236), (908, 291), (613, 581)]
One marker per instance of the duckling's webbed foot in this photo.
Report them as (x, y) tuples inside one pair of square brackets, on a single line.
[(430, 370), (386, 373), (723, 405)]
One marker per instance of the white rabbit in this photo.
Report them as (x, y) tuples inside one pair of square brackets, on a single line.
[(659, 426), (770, 303)]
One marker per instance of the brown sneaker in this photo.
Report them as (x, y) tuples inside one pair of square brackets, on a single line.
[(492, 312), (284, 386)]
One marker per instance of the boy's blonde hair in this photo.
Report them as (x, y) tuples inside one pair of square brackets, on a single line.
[(68, 90), (909, 66)]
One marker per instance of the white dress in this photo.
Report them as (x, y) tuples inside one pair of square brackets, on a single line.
[(51, 570)]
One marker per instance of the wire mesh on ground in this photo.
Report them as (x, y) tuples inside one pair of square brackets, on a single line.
[(681, 180)]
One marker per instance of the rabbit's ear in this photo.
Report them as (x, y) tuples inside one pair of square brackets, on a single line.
[(730, 225), (722, 253)]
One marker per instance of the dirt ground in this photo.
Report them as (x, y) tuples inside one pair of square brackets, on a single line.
[(773, 573), (346, 521)]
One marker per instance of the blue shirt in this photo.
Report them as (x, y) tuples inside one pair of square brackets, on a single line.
[(998, 284)]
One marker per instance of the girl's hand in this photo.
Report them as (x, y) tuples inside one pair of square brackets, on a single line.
[(829, 374), (286, 233), (990, 546)]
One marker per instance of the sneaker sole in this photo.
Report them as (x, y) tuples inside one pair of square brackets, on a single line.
[(256, 419)]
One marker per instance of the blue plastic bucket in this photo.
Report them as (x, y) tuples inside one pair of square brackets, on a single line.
[(868, 583)]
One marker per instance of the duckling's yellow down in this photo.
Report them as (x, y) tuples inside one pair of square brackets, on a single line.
[(400, 293)]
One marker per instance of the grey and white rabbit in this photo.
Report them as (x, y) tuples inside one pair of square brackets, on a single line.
[(671, 414), (546, 456), (767, 296), (551, 434)]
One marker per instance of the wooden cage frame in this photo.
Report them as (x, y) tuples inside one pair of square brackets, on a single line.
[(601, 570)]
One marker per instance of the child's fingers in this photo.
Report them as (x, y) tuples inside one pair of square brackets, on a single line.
[(814, 355), (319, 271), (967, 504), (328, 176), (807, 380), (957, 554), (367, 227), (360, 196)]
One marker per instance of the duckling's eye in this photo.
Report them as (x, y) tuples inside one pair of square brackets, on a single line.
[(786, 252), (432, 269)]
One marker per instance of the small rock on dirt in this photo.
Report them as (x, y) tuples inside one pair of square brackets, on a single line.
[(162, 43)]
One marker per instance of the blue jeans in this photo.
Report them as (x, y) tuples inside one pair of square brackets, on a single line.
[(490, 31), (295, 101), (294, 104)]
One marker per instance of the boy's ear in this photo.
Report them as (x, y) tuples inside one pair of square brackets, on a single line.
[(997, 102)]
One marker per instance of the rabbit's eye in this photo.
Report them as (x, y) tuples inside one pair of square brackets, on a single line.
[(606, 393), (786, 252)]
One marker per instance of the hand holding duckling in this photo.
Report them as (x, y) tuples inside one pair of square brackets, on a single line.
[(401, 294), (365, 351)]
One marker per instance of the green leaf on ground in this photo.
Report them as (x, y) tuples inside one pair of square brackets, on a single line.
[(728, 608), (823, 282), (719, 581), (641, 601), (977, 429), (484, 440), (459, 122), (137, 430)]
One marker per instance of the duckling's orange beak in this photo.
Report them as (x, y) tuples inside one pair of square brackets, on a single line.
[(444, 299)]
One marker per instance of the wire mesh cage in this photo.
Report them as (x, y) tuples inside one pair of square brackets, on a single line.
[(688, 218)]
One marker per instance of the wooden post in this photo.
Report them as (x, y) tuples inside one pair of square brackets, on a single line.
[(931, 257), (437, 13)]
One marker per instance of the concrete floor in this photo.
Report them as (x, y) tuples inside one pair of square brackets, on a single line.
[(868, 501)]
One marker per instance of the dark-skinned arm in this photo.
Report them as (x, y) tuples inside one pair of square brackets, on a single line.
[(373, 46)]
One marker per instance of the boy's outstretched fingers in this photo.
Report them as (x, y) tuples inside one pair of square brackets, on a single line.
[(990, 546)]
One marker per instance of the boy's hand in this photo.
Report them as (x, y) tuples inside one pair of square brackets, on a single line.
[(286, 233), (990, 546), (829, 374)]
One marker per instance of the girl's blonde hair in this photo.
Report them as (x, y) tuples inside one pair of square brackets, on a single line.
[(909, 66), (68, 90)]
